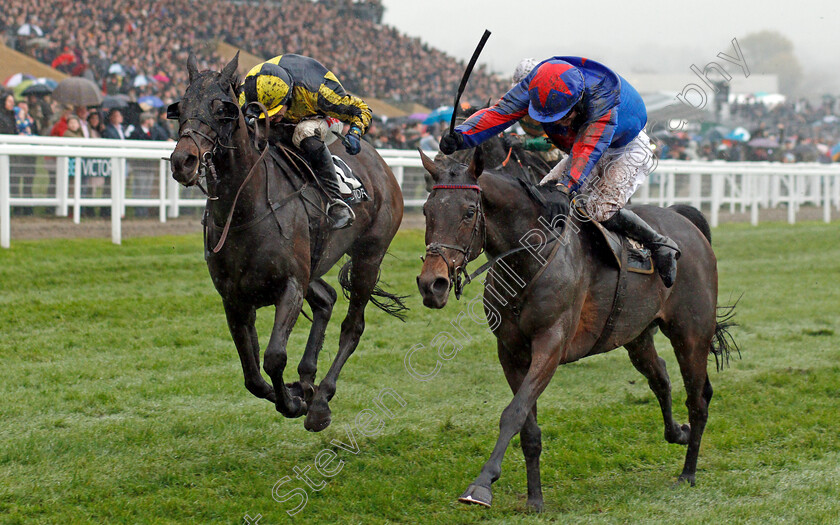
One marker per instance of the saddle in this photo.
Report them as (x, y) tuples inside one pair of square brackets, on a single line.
[(612, 245)]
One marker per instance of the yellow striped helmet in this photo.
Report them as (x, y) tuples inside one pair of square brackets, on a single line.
[(268, 84)]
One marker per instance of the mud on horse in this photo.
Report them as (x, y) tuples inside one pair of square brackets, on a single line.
[(259, 247), (558, 317)]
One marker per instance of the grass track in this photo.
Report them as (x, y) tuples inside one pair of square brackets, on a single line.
[(122, 401)]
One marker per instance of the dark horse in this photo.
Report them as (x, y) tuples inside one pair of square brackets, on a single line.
[(267, 256), (564, 302)]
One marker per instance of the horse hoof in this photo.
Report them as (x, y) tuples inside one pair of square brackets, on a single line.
[(318, 418), (685, 478), (535, 505), (477, 495), (678, 434), (295, 389), (296, 409)]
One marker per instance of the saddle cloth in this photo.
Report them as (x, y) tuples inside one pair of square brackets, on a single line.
[(349, 184), (638, 257)]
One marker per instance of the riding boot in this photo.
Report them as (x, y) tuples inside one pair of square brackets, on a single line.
[(664, 250), (321, 160)]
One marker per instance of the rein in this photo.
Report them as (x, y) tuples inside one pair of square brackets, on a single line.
[(251, 172), (436, 248)]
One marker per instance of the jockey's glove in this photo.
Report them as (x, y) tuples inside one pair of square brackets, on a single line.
[(538, 144), (353, 141), (451, 142)]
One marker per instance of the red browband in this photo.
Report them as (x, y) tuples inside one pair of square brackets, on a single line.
[(475, 187)]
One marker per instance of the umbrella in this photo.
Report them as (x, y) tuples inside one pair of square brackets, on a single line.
[(160, 77), (16, 79), (38, 90), (441, 114), (418, 116), (116, 69), (18, 90), (29, 30), (39, 42), (764, 142), (140, 81), (50, 83), (152, 101), (77, 91), (115, 101), (64, 58), (739, 134)]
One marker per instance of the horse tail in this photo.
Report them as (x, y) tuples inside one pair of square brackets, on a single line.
[(723, 343), (696, 217), (388, 302)]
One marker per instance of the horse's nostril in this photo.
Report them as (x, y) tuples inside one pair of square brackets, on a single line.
[(440, 286)]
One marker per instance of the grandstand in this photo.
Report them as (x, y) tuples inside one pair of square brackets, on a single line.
[(151, 41)]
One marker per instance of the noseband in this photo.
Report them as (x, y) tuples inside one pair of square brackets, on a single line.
[(204, 168), (436, 248)]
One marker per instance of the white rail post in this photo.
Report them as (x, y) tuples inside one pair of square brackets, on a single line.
[(791, 212), (62, 185), (5, 208), (77, 191), (123, 183), (826, 183), (174, 206), (717, 190), (116, 205), (695, 184), (399, 174), (162, 189), (755, 197)]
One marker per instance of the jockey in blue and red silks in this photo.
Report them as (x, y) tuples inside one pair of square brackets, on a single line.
[(596, 117)]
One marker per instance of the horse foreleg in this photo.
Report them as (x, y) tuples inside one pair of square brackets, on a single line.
[(363, 277), (286, 313), (242, 330), (530, 437), (644, 357), (545, 356), (321, 298)]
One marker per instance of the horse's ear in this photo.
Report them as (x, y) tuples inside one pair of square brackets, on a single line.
[(230, 70), (192, 66), (477, 164), (430, 165)]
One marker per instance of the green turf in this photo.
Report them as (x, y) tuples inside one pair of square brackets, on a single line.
[(122, 401)]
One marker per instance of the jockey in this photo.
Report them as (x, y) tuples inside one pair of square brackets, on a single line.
[(598, 118), (299, 90)]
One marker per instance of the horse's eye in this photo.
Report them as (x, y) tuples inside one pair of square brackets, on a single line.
[(470, 213)]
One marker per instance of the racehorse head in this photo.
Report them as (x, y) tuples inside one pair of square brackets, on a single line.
[(455, 226), (207, 115)]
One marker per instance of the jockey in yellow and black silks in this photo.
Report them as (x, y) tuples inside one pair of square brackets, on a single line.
[(299, 90)]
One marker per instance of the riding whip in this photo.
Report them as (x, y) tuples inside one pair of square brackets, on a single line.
[(466, 76)]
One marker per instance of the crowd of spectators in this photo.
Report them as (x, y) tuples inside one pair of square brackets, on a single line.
[(150, 41), (139, 49), (795, 131)]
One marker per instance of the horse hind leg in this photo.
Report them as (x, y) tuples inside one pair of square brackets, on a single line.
[(644, 357), (364, 274), (321, 298), (692, 354)]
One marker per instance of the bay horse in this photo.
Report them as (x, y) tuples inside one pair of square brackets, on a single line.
[(266, 255), (564, 301)]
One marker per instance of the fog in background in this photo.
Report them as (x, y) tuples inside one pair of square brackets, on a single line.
[(651, 37)]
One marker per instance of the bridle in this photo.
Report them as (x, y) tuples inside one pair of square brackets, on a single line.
[(205, 168), (436, 248)]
